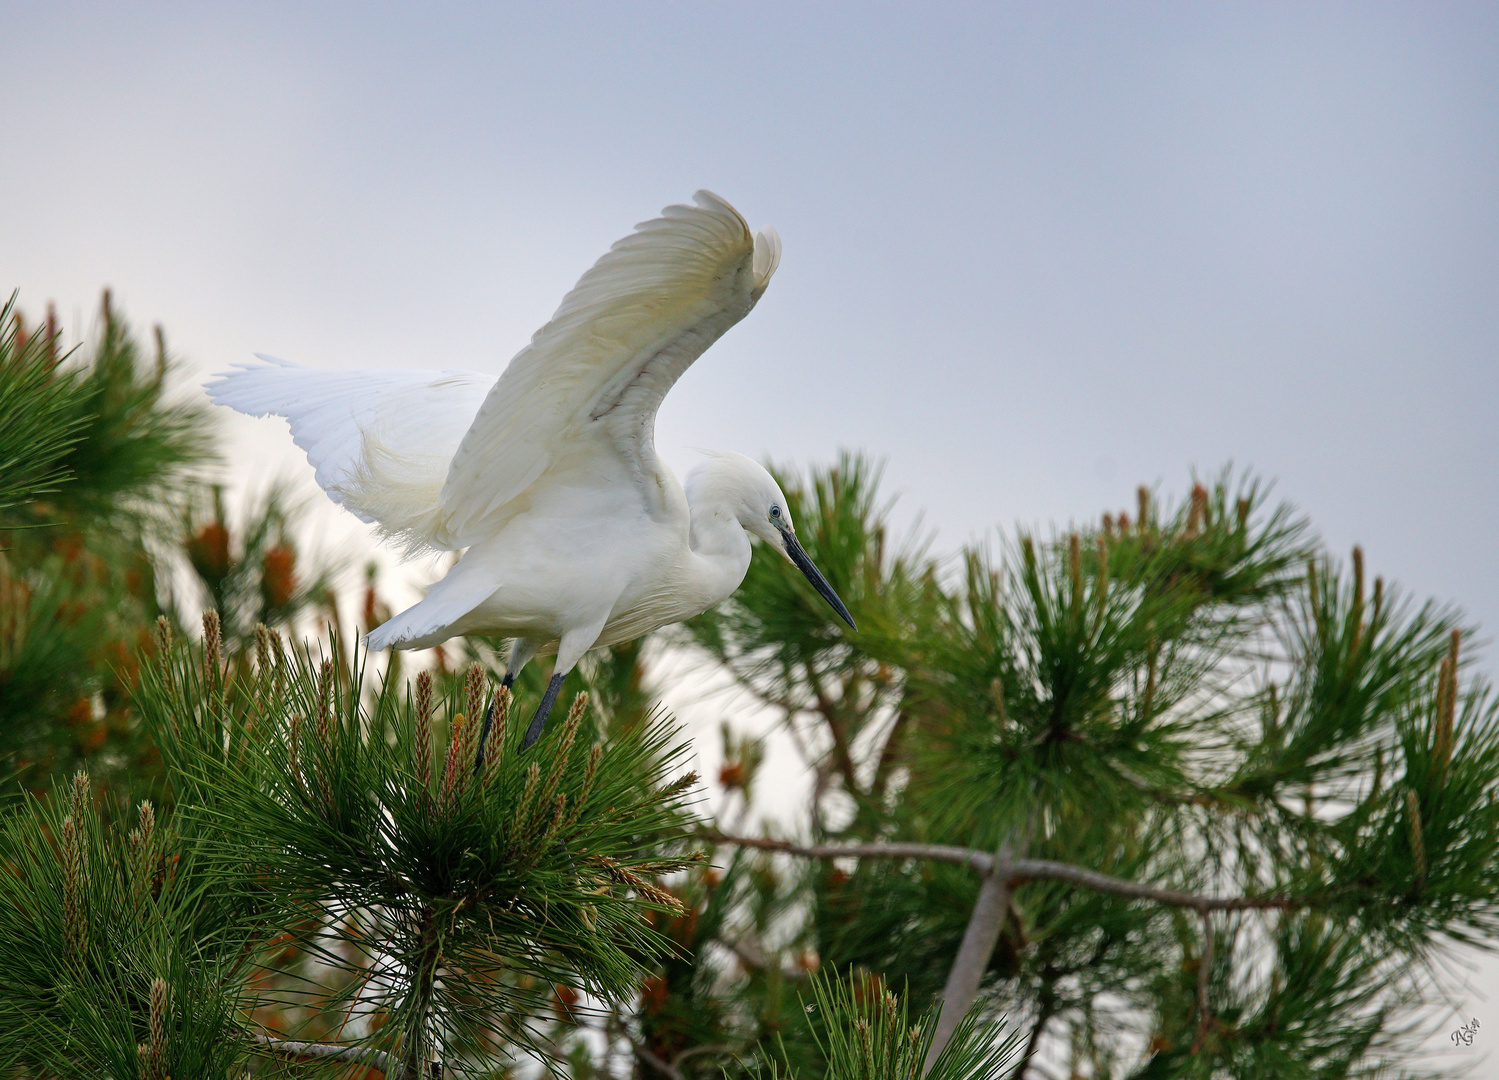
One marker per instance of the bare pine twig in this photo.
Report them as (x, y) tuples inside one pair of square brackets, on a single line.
[(310, 1051), (1017, 870)]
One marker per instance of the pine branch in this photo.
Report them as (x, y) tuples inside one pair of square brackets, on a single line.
[(310, 1051), (968, 967), (423, 987), (1018, 870), (947, 853)]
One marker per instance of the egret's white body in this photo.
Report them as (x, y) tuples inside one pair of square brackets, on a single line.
[(574, 533)]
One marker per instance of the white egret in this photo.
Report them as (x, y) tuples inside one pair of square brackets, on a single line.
[(574, 533)]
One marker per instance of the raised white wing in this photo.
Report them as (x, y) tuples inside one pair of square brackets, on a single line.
[(381, 441), (582, 397)]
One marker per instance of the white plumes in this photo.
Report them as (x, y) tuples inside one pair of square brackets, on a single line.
[(381, 441), (400, 489), (574, 532)]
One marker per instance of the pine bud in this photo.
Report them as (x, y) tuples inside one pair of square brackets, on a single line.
[(1418, 846), (323, 753), (323, 735), (74, 883), (590, 772), (475, 687), (559, 817), (163, 640), (424, 697), (1101, 585), (143, 856), (324, 729), (423, 748), (623, 875), (523, 806), (1142, 498), (264, 651), (679, 785), (1198, 514), (468, 747), (213, 646), (494, 746), (52, 334), (156, 1050), (564, 749), (81, 799), (452, 769), (1357, 615)]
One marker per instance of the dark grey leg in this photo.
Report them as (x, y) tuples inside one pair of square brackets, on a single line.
[(506, 682), (539, 721)]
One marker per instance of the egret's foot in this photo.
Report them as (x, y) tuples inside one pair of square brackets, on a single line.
[(539, 721)]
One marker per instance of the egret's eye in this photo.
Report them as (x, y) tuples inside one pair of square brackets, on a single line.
[(775, 513)]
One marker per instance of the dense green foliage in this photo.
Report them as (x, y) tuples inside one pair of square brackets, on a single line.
[(80, 580), (1196, 700), (1189, 797), (110, 525)]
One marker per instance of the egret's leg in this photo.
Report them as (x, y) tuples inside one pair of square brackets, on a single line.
[(521, 651), (570, 650), (539, 721)]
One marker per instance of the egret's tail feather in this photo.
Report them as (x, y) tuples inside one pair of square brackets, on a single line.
[(442, 613)]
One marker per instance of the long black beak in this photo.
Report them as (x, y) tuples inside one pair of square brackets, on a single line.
[(814, 575)]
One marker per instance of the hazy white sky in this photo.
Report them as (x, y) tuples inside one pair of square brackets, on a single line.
[(1035, 254)]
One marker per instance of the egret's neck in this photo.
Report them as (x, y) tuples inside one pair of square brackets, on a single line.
[(721, 549)]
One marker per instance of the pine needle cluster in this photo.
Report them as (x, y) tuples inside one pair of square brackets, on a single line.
[(433, 903), (1235, 798)]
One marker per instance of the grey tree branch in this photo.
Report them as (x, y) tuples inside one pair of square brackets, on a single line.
[(979, 860), (972, 961), (310, 1051), (1016, 870)]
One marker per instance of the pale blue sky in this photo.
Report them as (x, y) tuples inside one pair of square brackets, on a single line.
[(1034, 254)]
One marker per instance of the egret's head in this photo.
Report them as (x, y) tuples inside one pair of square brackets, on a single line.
[(756, 500)]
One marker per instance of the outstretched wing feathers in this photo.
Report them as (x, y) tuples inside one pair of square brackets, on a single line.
[(437, 459), (357, 426), (594, 375)]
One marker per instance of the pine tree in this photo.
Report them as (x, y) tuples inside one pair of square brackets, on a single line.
[(104, 453), (1180, 782), (1177, 796), (107, 522)]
